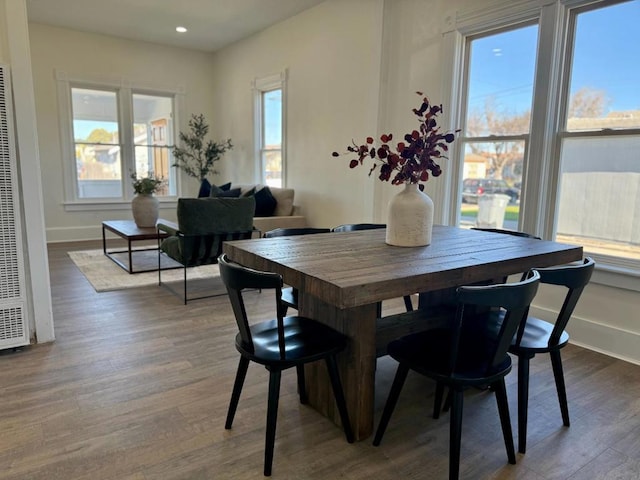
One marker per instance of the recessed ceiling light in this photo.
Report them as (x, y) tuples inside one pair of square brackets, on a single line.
[(181, 29)]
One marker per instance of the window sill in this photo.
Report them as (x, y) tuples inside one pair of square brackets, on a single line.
[(616, 276), (104, 205)]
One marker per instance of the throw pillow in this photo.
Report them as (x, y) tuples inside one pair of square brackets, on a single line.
[(265, 202), (233, 193), (249, 193), (216, 190), (205, 188)]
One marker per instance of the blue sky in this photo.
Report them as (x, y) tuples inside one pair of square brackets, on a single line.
[(607, 57)]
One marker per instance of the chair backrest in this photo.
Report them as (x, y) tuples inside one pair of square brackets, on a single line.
[(507, 232), (574, 277), (286, 232), (488, 338), (205, 223), (201, 216), (352, 227), (236, 278)]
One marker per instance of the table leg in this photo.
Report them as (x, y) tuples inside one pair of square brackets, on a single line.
[(130, 255), (356, 364), (104, 241)]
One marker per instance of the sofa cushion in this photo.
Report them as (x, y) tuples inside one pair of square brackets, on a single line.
[(284, 199)]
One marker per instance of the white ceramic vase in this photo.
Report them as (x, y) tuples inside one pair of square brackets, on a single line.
[(145, 210), (410, 219)]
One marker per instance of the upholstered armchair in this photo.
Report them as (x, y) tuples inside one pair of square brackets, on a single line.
[(203, 225)]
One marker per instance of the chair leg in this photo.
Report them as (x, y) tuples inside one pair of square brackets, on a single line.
[(394, 393), (332, 367), (447, 402), (237, 389), (272, 416), (455, 432), (437, 402), (185, 285), (408, 304), (523, 401), (556, 363), (302, 388), (505, 421)]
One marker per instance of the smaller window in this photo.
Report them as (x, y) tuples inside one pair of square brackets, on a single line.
[(271, 148), (152, 120), (96, 137), (269, 121)]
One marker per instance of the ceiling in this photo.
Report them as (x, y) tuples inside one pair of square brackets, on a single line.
[(211, 24)]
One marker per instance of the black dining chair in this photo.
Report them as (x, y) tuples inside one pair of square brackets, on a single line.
[(515, 233), (279, 344), (289, 297), (471, 352), (539, 336), (352, 227)]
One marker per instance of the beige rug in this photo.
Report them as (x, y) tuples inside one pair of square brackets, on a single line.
[(105, 275)]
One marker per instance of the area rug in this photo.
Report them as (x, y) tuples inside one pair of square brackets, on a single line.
[(104, 275)]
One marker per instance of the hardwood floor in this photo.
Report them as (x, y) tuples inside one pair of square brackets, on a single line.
[(136, 387)]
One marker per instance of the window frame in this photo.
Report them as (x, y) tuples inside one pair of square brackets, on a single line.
[(124, 90), (260, 86), (540, 185)]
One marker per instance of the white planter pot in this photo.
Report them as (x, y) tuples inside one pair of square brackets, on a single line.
[(410, 220), (145, 210)]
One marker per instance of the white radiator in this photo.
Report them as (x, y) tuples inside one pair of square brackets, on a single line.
[(14, 325)]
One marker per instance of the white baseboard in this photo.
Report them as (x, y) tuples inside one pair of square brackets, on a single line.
[(74, 234), (596, 336)]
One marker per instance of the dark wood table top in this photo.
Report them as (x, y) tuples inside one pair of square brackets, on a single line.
[(358, 268), (129, 230)]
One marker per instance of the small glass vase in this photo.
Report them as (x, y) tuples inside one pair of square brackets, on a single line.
[(410, 220)]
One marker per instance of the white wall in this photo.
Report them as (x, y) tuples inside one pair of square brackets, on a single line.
[(14, 43), (332, 55), (334, 80), (81, 54)]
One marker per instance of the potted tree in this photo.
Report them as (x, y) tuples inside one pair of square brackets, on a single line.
[(197, 157)]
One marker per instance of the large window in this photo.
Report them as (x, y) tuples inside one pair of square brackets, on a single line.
[(599, 180), (500, 74), (550, 113), (115, 132), (269, 129)]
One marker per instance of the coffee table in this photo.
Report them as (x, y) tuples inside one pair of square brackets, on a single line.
[(129, 231)]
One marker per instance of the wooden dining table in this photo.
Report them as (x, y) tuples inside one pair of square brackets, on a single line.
[(342, 276)]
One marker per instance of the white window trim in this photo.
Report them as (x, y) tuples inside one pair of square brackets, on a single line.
[(259, 86), (541, 190), (64, 82)]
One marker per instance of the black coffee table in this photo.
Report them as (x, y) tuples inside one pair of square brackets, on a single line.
[(129, 231)]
